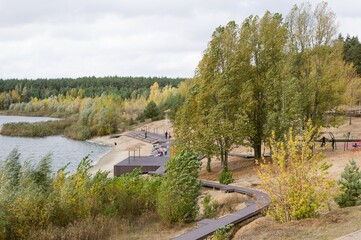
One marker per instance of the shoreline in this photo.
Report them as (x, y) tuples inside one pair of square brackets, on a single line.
[(120, 145), (118, 152)]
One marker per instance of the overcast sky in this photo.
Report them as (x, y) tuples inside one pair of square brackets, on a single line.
[(75, 38)]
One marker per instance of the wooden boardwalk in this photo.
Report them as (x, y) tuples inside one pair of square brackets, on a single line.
[(206, 227), (151, 137)]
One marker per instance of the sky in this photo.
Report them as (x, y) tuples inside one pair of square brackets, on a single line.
[(164, 38)]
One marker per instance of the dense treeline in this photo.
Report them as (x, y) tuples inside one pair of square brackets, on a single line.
[(101, 115), (352, 51), (15, 91)]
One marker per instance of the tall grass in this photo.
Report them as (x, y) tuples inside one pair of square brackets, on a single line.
[(32, 199), (37, 129)]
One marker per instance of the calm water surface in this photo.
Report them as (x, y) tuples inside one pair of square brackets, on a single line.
[(64, 150)]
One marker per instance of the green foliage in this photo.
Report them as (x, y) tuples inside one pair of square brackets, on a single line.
[(350, 186), (172, 103), (178, 193), (352, 51), (297, 179), (152, 111), (226, 176), (209, 207), (285, 72), (211, 119), (31, 199), (224, 233), (131, 195), (24, 190), (317, 61)]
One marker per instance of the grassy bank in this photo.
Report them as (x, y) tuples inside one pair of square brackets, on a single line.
[(38, 129), (334, 224)]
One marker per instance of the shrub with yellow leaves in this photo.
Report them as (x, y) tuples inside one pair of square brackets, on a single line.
[(297, 177)]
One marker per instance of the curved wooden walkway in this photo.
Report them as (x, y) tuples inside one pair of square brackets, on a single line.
[(207, 227)]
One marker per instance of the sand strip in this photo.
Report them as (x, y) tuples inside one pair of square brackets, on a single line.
[(119, 146), (119, 151)]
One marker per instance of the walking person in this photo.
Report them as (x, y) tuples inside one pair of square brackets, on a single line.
[(166, 134), (145, 134), (323, 141)]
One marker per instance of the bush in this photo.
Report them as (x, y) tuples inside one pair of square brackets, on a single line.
[(226, 176), (178, 193), (31, 200), (24, 189), (209, 207), (224, 233), (350, 186), (130, 195), (78, 132), (297, 179)]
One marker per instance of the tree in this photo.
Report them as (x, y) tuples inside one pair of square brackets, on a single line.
[(350, 186), (297, 178), (262, 44), (352, 51), (179, 191), (151, 111), (317, 61), (211, 119)]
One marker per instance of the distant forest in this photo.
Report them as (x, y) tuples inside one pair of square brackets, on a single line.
[(91, 86)]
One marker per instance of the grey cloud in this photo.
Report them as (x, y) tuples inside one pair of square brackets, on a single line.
[(72, 38)]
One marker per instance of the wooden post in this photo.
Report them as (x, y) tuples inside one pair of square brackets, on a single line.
[(129, 157)]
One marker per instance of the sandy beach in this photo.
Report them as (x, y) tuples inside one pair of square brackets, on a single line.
[(120, 146)]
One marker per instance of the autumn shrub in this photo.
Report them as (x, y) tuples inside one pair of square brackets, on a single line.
[(178, 193), (297, 178), (32, 199), (350, 186)]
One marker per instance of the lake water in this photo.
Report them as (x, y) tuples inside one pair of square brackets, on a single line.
[(63, 150)]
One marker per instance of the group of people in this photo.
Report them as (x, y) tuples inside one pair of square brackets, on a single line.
[(160, 151)]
